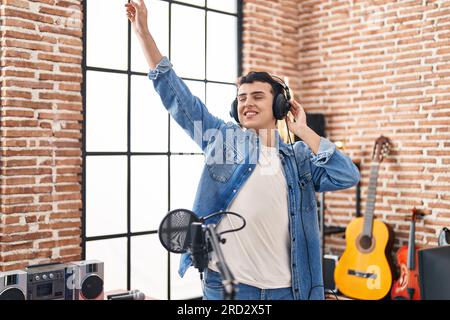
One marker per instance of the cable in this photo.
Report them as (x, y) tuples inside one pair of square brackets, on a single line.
[(301, 217), (226, 213), (236, 229), (334, 293)]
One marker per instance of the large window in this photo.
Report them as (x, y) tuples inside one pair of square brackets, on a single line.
[(138, 163)]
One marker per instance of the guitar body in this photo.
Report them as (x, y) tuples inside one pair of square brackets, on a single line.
[(363, 271), (408, 280)]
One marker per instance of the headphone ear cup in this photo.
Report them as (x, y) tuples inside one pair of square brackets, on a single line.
[(281, 107), (233, 111)]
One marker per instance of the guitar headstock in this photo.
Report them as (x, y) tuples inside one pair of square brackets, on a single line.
[(381, 149), (416, 213)]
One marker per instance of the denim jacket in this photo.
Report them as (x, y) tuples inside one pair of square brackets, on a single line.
[(231, 155)]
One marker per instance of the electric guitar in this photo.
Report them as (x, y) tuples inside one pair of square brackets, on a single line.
[(407, 285), (363, 271)]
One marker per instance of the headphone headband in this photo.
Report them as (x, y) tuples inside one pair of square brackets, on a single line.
[(284, 85)]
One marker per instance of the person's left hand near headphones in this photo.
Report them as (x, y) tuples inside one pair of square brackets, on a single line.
[(299, 127)]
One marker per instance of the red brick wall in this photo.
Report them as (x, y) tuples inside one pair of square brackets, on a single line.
[(40, 135), (271, 38), (372, 67)]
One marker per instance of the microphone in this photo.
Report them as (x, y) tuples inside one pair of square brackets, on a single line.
[(132, 295), (175, 230), (199, 247), (181, 231)]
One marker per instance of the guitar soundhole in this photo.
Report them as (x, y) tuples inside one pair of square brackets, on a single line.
[(365, 242)]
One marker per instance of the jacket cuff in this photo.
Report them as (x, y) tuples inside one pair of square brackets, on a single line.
[(326, 150), (163, 66)]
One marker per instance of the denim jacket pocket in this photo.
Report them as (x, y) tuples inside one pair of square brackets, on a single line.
[(307, 188), (221, 166)]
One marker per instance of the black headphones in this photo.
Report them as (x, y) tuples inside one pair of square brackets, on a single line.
[(280, 105)]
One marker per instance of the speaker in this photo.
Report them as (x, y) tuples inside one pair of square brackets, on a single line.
[(13, 285), (329, 264), (88, 279), (316, 121)]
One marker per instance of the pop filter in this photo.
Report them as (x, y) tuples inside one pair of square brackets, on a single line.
[(175, 232)]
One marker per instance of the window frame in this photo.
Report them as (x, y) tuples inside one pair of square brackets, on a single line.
[(85, 154)]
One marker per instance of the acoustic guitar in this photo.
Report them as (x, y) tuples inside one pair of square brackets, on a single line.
[(407, 285), (363, 271)]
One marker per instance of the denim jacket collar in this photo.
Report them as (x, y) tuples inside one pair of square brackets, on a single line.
[(286, 149)]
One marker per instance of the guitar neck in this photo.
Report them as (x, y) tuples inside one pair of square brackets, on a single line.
[(371, 196)]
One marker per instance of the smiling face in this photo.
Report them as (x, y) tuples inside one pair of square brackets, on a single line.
[(255, 106)]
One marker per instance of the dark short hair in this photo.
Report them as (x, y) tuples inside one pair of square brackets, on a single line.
[(262, 76)]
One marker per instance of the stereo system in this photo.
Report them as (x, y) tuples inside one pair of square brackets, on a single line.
[(88, 280), (80, 280), (45, 282), (13, 285)]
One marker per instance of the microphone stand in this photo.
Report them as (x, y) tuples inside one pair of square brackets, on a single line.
[(229, 282)]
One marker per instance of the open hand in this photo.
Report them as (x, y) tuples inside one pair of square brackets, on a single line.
[(136, 12), (298, 122)]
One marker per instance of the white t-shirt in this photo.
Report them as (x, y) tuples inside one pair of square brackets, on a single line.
[(259, 254)]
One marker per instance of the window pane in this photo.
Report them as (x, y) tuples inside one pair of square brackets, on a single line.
[(188, 41), (113, 253), (149, 266), (149, 118), (158, 22), (219, 98), (149, 179), (106, 195), (180, 141), (106, 22), (187, 287), (184, 176), (196, 2), (223, 5), (106, 118), (222, 47)]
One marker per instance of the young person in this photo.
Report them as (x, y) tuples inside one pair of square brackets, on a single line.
[(251, 171)]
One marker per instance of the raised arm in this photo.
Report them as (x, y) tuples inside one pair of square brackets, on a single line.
[(185, 108)]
